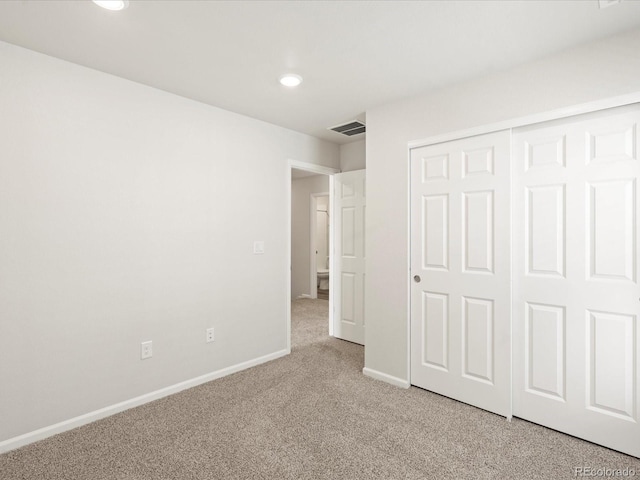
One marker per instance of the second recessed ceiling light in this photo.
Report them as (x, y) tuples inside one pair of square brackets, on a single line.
[(290, 80)]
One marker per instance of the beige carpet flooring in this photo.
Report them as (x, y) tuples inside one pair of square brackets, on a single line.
[(310, 415)]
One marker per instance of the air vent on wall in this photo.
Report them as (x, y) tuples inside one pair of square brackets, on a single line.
[(351, 128)]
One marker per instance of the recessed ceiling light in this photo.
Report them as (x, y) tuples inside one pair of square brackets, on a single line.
[(112, 4), (290, 80)]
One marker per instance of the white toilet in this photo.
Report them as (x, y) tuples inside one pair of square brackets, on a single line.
[(323, 278)]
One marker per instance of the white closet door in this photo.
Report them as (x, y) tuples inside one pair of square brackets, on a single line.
[(460, 268), (349, 201), (576, 294)]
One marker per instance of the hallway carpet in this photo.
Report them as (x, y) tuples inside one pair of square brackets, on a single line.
[(310, 415)]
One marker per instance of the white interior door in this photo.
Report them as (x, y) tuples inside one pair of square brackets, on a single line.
[(576, 305), (460, 268), (349, 201)]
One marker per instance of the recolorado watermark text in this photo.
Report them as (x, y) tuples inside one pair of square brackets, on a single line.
[(603, 472)]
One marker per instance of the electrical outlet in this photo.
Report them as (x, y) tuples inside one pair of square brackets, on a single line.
[(146, 350), (209, 334)]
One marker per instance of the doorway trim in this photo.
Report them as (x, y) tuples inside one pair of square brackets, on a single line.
[(321, 170)]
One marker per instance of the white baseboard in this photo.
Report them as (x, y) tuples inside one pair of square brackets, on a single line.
[(303, 295), (398, 382), (42, 433)]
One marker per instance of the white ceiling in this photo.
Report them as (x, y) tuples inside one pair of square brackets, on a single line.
[(353, 55)]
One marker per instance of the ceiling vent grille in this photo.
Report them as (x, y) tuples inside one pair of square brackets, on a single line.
[(351, 128)]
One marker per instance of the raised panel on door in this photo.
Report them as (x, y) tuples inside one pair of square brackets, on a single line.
[(460, 252), (613, 142), (611, 236), (576, 297), (477, 339), (435, 328), (544, 152), (435, 232), (348, 238), (347, 297), (478, 161), (477, 231), (434, 168), (349, 207), (544, 230), (611, 382), (544, 351)]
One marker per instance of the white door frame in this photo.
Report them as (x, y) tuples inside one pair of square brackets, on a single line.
[(565, 112), (313, 229), (321, 170)]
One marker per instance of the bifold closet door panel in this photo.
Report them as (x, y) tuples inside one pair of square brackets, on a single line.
[(576, 295), (460, 269)]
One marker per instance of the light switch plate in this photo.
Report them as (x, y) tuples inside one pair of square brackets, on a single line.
[(146, 350), (258, 247)]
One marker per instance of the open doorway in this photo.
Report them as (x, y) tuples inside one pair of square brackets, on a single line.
[(310, 238), (319, 245)]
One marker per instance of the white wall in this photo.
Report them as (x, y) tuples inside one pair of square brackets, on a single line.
[(594, 72), (301, 190), (353, 156), (129, 214)]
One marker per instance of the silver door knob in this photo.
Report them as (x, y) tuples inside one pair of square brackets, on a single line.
[(417, 278)]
